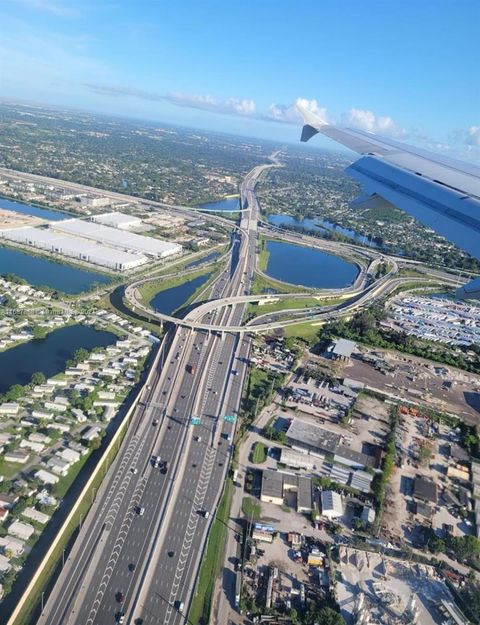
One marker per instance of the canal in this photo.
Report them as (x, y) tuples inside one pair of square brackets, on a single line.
[(48, 355)]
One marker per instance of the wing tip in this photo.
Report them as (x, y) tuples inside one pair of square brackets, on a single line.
[(312, 123)]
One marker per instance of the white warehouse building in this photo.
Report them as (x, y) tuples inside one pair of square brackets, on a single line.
[(74, 247), (117, 220), (127, 241)]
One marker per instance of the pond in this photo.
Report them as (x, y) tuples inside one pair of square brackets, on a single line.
[(48, 355), (39, 271), (227, 205), (308, 267), (170, 300)]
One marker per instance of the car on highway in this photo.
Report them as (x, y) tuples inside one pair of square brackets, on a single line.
[(140, 510), (134, 470), (120, 596), (120, 618), (155, 422), (131, 566), (180, 606)]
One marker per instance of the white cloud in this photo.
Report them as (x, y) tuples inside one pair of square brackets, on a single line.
[(232, 106), (290, 115), (473, 136), (368, 121)]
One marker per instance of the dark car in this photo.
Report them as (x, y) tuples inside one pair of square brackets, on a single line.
[(120, 596), (131, 566)]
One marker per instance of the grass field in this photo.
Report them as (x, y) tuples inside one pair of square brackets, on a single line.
[(251, 508), (259, 453), (304, 330), (202, 601)]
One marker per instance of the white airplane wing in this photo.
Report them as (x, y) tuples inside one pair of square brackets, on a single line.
[(442, 193)]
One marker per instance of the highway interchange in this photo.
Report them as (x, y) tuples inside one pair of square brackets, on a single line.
[(137, 557), (138, 554)]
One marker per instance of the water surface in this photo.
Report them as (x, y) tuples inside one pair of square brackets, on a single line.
[(308, 267), (36, 211), (204, 259), (48, 355), (231, 205), (40, 271), (170, 300), (319, 225)]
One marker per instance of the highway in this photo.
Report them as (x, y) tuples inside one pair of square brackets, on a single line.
[(139, 550)]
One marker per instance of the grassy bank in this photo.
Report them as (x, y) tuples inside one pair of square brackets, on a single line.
[(304, 330), (202, 601), (261, 283)]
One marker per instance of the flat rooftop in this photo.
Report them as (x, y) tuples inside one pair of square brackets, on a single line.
[(343, 348), (310, 435)]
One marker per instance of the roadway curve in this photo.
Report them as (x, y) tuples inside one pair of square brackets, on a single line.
[(146, 565)]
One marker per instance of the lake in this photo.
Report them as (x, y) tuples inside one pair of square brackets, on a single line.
[(170, 300), (39, 271), (36, 211), (48, 355), (226, 205), (307, 266), (318, 224)]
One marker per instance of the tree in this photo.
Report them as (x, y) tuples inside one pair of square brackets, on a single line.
[(323, 616), (38, 332), (80, 354), (38, 378)]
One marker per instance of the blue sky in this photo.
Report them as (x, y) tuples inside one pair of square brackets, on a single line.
[(405, 68)]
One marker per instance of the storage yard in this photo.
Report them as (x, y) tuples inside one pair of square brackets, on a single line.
[(438, 319)]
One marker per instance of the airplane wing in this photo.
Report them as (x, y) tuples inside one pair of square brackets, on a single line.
[(442, 193)]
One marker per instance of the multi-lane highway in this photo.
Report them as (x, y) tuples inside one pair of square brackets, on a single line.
[(137, 557)]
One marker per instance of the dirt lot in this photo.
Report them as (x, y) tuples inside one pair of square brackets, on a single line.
[(398, 514), (385, 577), (11, 219), (445, 388)]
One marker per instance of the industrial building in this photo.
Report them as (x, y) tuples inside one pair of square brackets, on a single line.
[(332, 506), (312, 438), (276, 483), (342, 349), (117, 220), (74, 247), (425, 490), (122, 240)]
